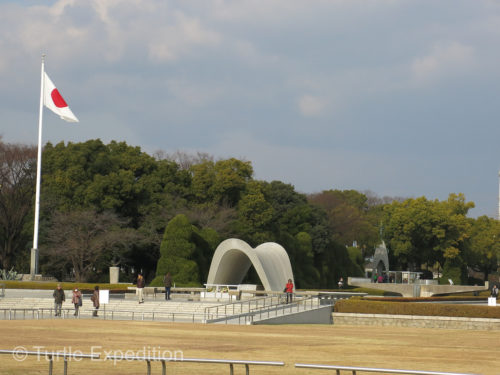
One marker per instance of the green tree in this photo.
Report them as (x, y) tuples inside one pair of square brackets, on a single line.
[(255, 215), (306, 274), (420, 231), (349, 217), (357, 261), (178, 254), (91, 174), (484, 244), (222, 181), (454, 269)]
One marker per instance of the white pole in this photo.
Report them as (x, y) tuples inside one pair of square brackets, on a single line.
[(34, 250)]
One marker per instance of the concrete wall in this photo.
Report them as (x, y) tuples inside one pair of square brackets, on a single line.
[(416, 321), (322, 315)]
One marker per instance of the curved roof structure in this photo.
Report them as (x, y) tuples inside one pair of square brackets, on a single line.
[(233, 257)]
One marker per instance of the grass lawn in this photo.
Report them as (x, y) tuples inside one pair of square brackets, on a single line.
[(391, 347)]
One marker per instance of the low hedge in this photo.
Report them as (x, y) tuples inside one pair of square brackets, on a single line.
[(44, 285), (430, 299), (370, 306), (372, 292)]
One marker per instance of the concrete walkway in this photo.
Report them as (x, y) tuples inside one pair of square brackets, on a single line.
[(39, 304)]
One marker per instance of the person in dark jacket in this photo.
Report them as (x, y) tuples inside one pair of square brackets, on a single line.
[(494, 291), (95, 300), (167, 281), (59, 298)]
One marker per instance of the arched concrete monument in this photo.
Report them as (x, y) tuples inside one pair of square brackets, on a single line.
[(233, 257), (381, 259), (380, 263)]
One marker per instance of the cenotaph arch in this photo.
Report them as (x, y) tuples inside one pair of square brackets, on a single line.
[(233, 257)]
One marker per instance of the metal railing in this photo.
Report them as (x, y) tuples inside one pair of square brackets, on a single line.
[(372, 369), (47, 313), (274, 307), (163, 361), (233, 308), (19, 354), (49, 356)]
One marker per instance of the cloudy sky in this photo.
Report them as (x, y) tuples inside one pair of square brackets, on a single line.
[(399, 97)]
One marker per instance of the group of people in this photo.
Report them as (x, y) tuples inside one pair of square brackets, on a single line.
[(76, 300), (141, 283)]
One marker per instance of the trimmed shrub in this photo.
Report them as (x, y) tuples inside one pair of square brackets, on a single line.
[(455, 270), (43, 285), (365, 306), (182, 253)]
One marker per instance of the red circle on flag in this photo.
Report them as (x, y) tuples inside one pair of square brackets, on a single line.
[(58, 99)]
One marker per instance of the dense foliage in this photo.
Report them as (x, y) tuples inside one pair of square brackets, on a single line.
[(114, 204)]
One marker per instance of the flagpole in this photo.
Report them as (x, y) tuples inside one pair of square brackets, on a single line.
[(34, 250)]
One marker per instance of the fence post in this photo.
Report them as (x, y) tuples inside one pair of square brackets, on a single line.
[(149, 367), (231, 369), (65, 365), (163, 368), (50, 364)]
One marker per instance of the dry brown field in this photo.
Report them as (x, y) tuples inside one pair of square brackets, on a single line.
[(421, 349)]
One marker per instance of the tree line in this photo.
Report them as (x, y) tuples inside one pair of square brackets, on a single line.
[(114, 205)]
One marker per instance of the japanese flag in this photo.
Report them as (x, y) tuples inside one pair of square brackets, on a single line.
[(55, 102)]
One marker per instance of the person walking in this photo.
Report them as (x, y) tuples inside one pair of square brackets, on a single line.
[(77, 300), (140, 288), (95, 300), (167, 281), (289, 291), (59, 298), (494, 291)]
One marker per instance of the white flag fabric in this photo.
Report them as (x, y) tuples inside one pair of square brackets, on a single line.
[(53, 100)]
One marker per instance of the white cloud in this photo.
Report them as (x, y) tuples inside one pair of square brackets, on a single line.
[(310, 105), (103, 31), (192, 94), (180, 38), (444, 59)]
